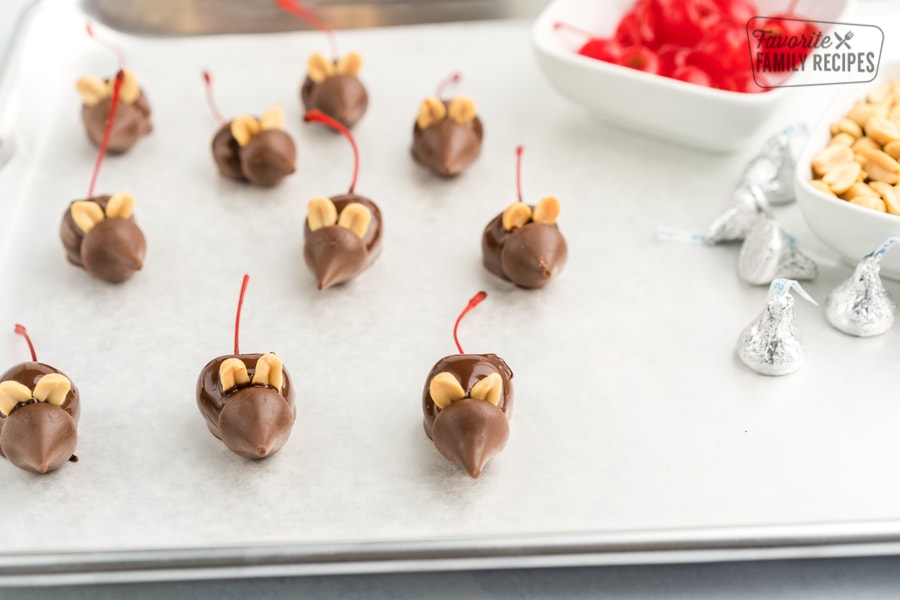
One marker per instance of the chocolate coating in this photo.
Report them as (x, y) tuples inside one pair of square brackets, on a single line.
[(335, 254), (529, 256), (39, 437), (268, 157), (227, 153), (112, 251), (131, 124), (448, 147), (342, 97), (469, 432), (253, 421)]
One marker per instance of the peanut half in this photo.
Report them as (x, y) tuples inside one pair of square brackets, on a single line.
[(319, 68), (488, 388), (320, 212), (244, 127), (445, 389), (461, 110), (232, 373), (350, 64), (86, 214), (356, 217), (12, 393), (516, 214), (431, 111), (120, 206), (269, 371), (52, 388)]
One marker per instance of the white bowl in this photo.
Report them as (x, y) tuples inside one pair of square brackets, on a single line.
[(685, 113), (852, 231)]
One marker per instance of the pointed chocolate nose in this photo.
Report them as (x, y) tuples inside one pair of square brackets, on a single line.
[(469, 433), (334, 255), (268, 157), (533, 255), (113, 250), (39, 437), (256, 422), (342, 97)]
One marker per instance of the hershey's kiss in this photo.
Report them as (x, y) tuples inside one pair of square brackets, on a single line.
[(768, 253), (860, 305), (771, 344), (748, 207), (772, 170)]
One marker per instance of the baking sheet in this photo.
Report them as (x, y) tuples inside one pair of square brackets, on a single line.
[(635, 427)]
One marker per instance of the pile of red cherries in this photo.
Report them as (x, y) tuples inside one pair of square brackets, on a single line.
[(704, 42)]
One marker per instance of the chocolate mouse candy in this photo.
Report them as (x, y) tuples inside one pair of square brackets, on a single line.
[(255, 150), (39, 410), (248, 403), (447, 135), (467, 403), (342, 237), (334, 88), (523, 244), (132, 120), (100, 236)]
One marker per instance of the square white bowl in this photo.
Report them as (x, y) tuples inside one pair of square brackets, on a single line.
[(851, 231), (676, 111)]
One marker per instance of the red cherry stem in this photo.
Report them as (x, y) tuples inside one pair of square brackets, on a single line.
[(792, 7), (473, 302), (211, 99), (573, 29), (519, 150), (452, 78), (317, 116), (117, 88), (120, 54), (296, 9), (237, 316), (20, 329)]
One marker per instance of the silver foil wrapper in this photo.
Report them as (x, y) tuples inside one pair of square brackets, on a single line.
[(860, 305), (768, 253), (748, 207), (771, 344), (772, 170)]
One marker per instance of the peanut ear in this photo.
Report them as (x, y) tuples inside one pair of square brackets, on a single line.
[(350, 64), (320, 212), (11, 393), (86, 214), (52, 388), (269, 371), (131, 89), (462, 109), (232, 373), (91, 90), (488, 389), (445, 389), (546, 211), (319, 68), (431, 111), (120, 206), (356, 217), (272, 119), (516, 214), (244, 127)]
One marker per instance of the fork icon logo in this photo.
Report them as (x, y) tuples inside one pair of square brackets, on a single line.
[(843, 41)]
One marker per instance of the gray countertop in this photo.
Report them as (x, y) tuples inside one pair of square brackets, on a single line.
[(827, 578)]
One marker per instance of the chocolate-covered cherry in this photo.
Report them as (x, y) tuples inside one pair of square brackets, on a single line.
[(467, 403), (250, 149), (523, 244), (99, 233), (331, 86), (101, 236), (133, 119), (39, 410), (247, 399), (342, 234), (447, 134)]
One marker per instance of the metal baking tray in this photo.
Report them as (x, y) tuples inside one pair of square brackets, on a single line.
[(637, 437)]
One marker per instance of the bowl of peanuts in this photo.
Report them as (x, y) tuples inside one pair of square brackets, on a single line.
[(848, 177)]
